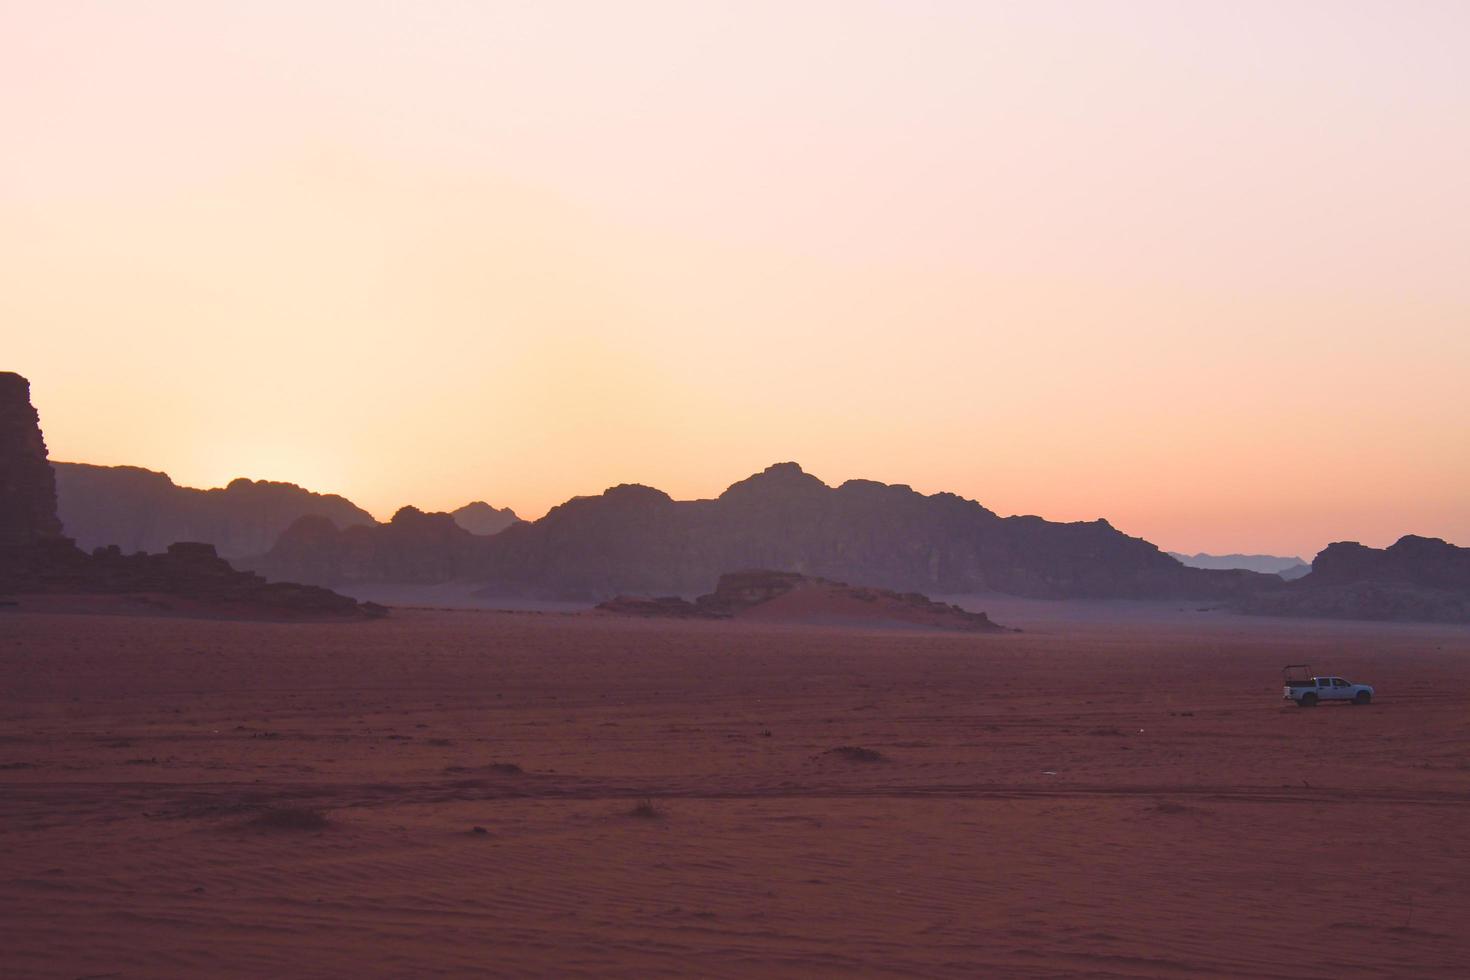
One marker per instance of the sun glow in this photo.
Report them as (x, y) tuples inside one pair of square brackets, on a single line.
[(1192, 269)]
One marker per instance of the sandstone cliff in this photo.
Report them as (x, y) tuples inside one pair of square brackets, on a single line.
[(27, 485), (1415, 578)]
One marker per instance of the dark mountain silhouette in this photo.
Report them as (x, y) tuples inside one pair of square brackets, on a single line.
[(633, 539), (36, 557), (1413, 579), (140, 510), (637, 540), (480, 518), (1287, 568), (414, 547)]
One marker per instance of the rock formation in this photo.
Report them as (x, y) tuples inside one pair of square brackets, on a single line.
[(634, 539), (480, 518), (1415, 578), (36, 558), (413, 547), (140, 510), (1431, 563), (27, 485), (789, 597), (191, 570)]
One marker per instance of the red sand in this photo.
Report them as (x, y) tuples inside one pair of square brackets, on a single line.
[(1111, 795)]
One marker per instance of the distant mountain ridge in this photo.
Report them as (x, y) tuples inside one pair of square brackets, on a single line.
[(142, 510), (1287, 568), (637, 540), (634, 539)]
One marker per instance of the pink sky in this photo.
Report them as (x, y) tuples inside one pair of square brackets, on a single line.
[(1198, 268)]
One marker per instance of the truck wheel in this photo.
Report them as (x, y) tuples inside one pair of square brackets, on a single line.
[(1362, 697), (1307, 701)]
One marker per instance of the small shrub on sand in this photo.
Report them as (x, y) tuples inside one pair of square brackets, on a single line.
[(646, 809), (856, 753), (291, 818)]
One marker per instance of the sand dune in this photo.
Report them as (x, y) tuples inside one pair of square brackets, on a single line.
[(1112, 796)]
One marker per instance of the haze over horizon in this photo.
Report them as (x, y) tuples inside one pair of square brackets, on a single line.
[(1198, 271)]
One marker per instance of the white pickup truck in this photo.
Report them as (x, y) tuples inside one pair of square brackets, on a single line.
[(1307, 690)]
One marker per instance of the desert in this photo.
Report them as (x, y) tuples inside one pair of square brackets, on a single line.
[(838, 488), (1118, 790)]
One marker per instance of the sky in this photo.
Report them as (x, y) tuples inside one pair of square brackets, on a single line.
[(1200, 269)]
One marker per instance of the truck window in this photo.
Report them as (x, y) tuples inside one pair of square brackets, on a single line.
[(1339, 682)]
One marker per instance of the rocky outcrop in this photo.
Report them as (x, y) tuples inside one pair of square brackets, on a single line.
[(1415, 578), (36, 558), (412, 548), (140, 510), (739, 591), (657, 607), (791, 598), (1431, 563), (480, 518), (637, 540), (193, 571), (27, 485), (1286, 568)]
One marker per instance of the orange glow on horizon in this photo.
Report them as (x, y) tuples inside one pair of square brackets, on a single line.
[(1197, 271)]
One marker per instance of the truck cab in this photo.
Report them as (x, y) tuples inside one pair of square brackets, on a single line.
[(1308, 689)]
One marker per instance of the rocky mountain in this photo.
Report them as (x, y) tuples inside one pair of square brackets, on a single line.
[(1432, 563), (480, 518), (189, 577), (414, 547), (1287, 568), (786, 597), (27, 484), (634, 539), (140, 510), (1415, 578), (637, 540)]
